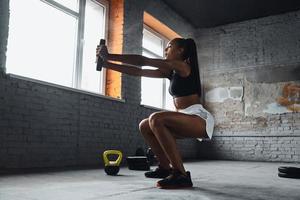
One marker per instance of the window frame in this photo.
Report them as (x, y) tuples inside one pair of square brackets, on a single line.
[(80, 38), (165, 42), (78, 51)]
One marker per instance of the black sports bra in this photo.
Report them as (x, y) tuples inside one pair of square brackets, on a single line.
[(183, 86)]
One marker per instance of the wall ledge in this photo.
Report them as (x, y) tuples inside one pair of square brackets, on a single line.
[(64, 87)]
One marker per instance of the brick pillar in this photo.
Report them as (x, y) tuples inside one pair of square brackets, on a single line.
[(115, 45)]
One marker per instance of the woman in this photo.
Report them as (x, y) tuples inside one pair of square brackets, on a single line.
[(162, 129)]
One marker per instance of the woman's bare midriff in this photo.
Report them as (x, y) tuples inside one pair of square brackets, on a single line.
[(186, 101)]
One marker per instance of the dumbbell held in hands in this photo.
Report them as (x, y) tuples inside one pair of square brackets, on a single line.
[(101, 53)]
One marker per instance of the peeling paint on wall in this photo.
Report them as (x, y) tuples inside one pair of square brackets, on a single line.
[(275, 108), (271, 98), (290, 97), (221, 94)]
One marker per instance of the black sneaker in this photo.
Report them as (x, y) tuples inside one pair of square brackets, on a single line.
[(158, 173), (176, 181)]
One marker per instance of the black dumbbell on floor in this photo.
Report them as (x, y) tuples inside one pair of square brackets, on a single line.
[(289, 172), (139, 161)]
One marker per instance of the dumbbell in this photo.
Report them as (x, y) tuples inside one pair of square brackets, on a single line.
[(112, 167), (139, 161), (100, 61), (289, 172)]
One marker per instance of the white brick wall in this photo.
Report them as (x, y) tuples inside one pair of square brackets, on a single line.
[(259, 55)]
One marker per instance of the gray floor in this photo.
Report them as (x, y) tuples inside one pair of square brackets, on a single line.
[(213, 180)]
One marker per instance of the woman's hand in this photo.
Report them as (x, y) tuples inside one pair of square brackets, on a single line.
[(102, 51)]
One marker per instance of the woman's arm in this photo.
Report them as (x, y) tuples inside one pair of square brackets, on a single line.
[(166, 65), (136, 71), (163, 65), (131, 59)]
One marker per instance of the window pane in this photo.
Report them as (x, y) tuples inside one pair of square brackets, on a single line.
[(169, 98), (151, 89), (71, 4), (153, 43), (41, 42), (93, 32), (152, 92)]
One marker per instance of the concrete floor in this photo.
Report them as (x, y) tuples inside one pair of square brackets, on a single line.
[(213, 180)]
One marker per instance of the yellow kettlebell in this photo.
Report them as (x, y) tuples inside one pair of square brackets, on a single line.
[(112, 167)]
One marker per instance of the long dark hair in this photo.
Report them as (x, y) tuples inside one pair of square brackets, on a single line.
[(190, 54)]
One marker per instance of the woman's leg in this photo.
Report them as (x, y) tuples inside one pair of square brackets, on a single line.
[(154, 144), (167, 126)]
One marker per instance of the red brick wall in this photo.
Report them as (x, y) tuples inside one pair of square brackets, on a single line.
[(115, 45)]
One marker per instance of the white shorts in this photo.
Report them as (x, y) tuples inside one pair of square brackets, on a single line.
[(197, 109)]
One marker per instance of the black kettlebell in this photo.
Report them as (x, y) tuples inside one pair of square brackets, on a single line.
[(112, 170), (112, 167)]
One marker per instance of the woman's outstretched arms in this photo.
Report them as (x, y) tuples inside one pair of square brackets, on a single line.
[(128, 61), (166, 65), (136, 71)]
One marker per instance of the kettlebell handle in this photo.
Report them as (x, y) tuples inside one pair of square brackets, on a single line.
[(109, 162)]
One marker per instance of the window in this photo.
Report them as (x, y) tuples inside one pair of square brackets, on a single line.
[(155, 90), (55, 41)]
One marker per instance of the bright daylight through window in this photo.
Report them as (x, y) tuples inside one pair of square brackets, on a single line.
[(55, 41), (155, 90)]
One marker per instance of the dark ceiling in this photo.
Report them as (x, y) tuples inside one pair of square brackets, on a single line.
[(210, 13)]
